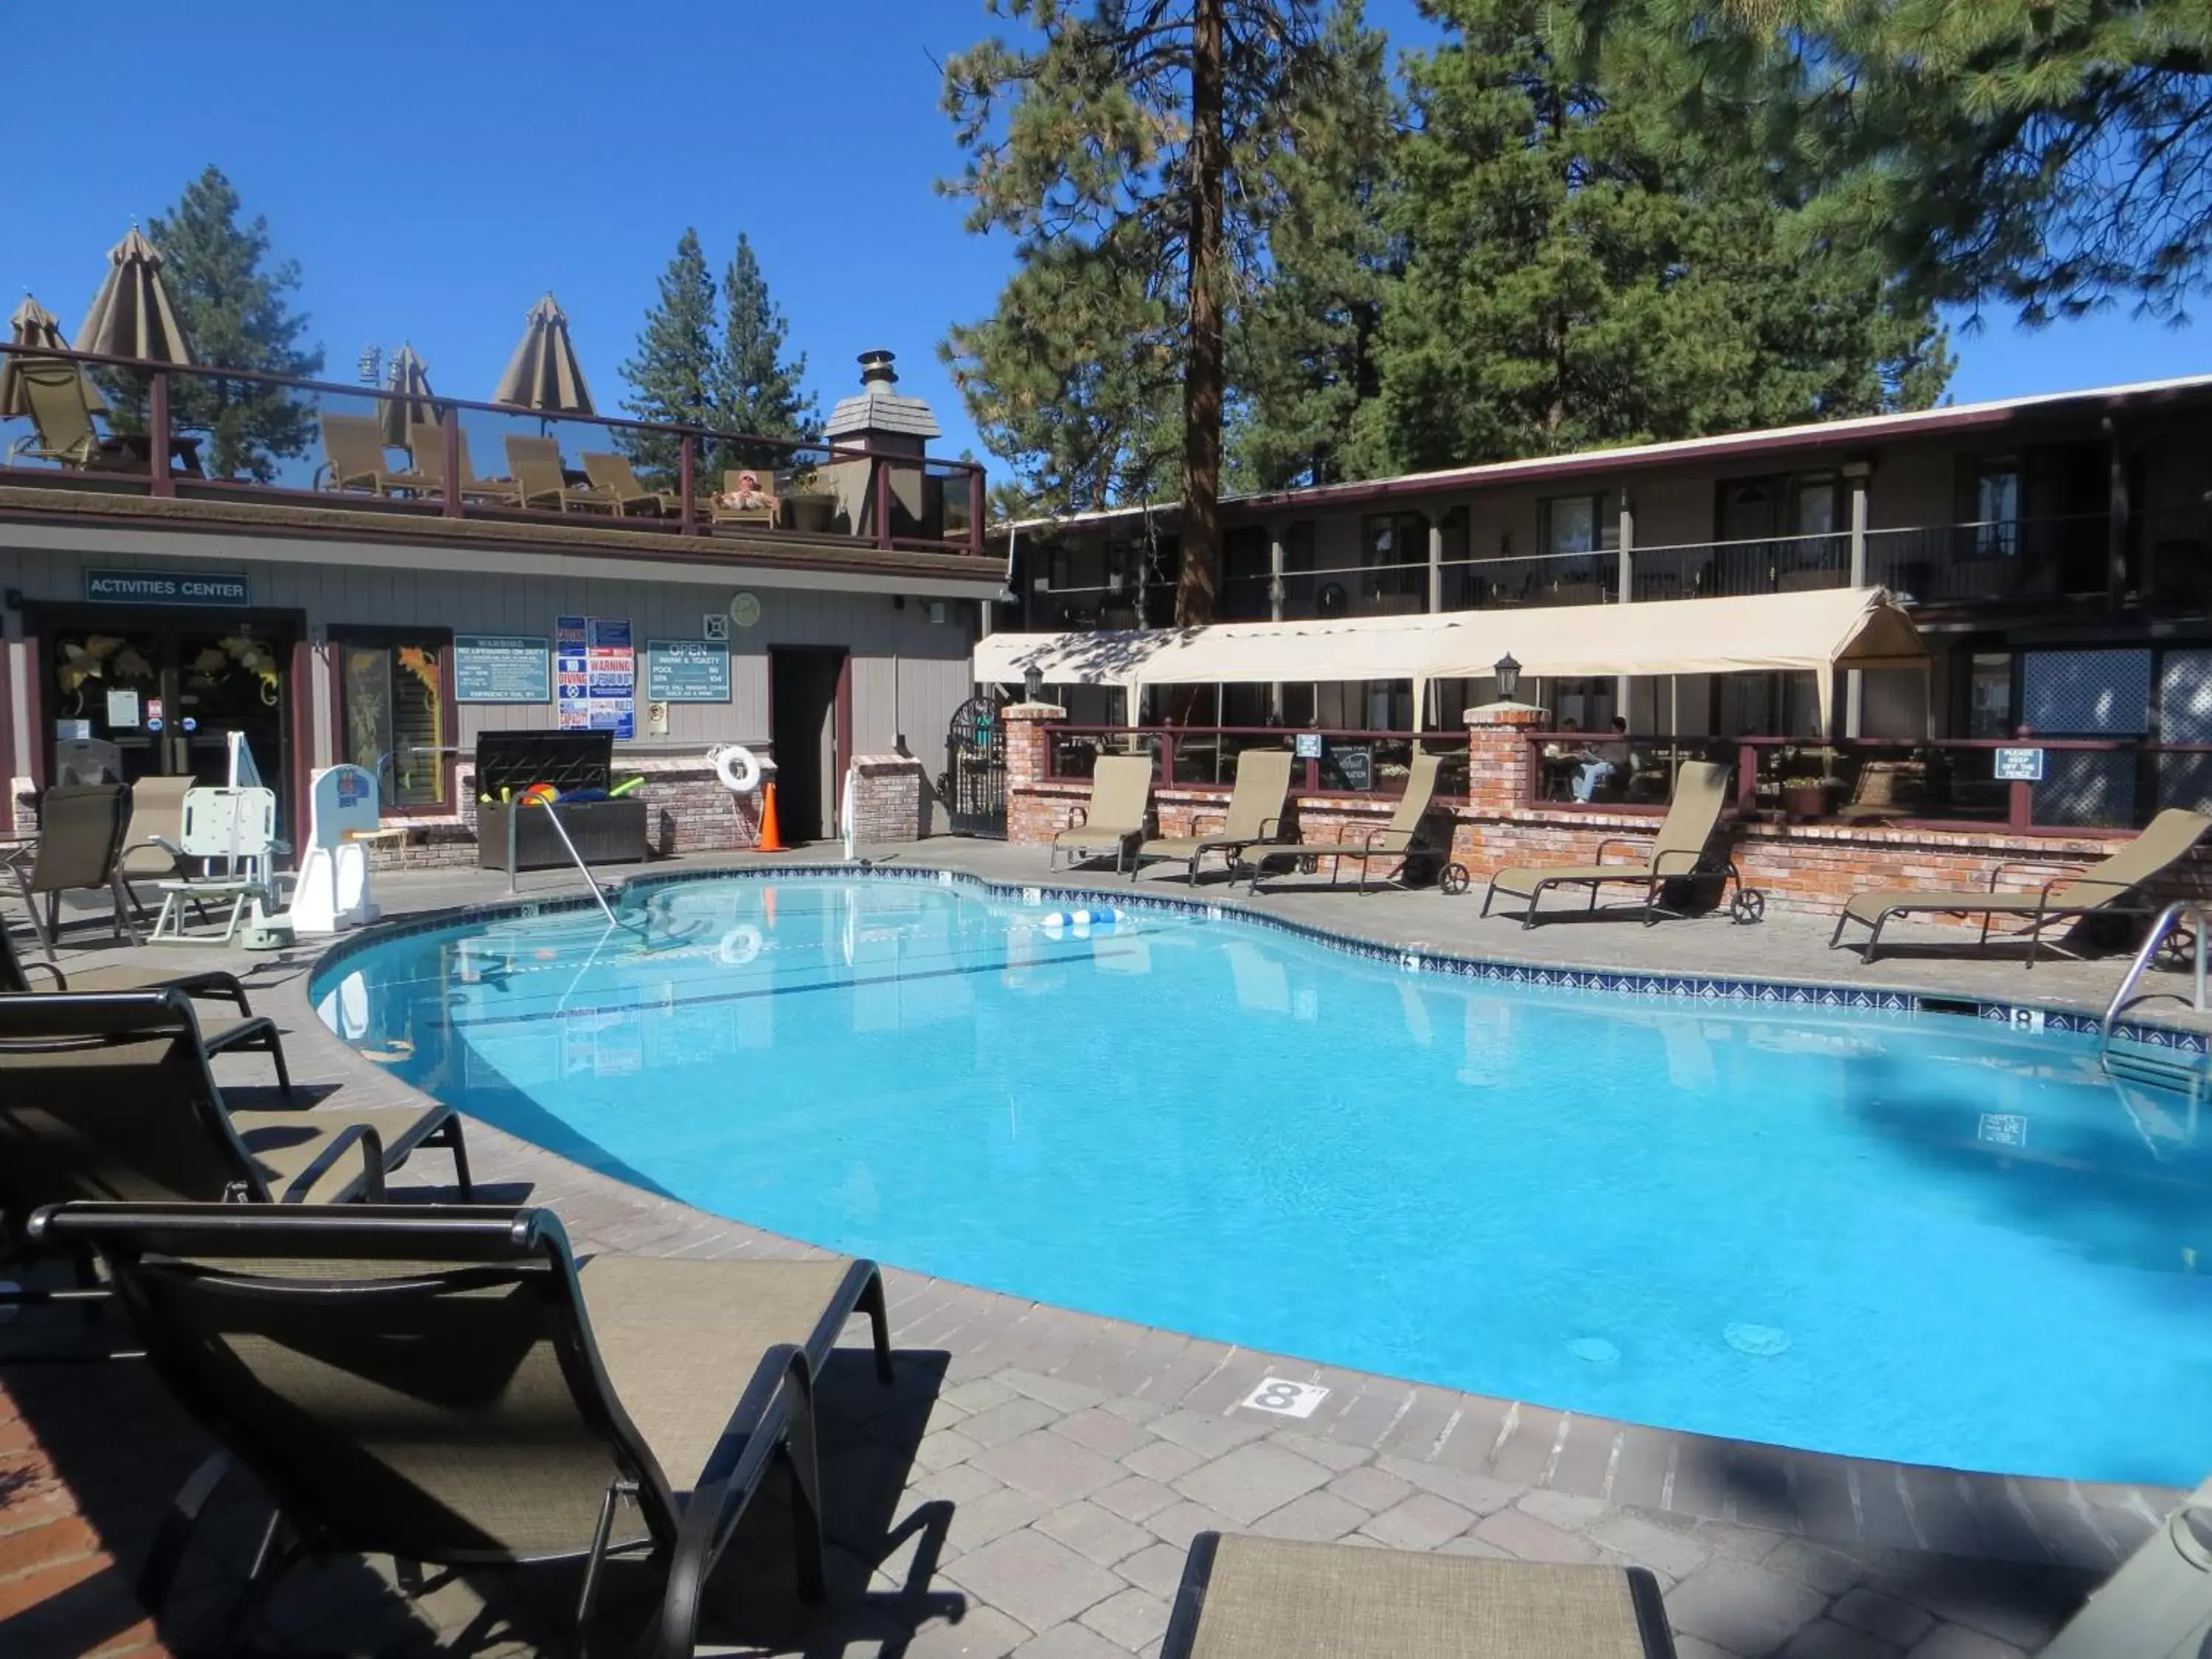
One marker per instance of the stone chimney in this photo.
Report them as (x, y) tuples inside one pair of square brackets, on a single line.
[(879, 418)]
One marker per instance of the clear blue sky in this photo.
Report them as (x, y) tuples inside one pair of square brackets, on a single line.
[(434, 167)]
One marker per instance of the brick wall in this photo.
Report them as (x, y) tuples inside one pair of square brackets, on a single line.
[(891, 799), (1812, 868)]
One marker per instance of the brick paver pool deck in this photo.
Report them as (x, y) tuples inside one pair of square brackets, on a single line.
[(1030, 1485)]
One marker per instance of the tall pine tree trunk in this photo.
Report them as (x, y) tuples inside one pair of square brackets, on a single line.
[(1203, 371)]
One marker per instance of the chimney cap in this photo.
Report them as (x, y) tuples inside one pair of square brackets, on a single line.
[(876, 365)]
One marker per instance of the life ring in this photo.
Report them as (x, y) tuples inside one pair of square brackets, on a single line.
[(739, 945), (738, 767)]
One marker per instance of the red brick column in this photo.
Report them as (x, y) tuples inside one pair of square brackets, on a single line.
[(1036, 810), (1500, 764)]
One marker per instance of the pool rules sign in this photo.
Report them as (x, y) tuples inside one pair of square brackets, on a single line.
[(595, 675)]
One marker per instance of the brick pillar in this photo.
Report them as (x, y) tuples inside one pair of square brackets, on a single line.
[(1501, 766), (1027, 762)]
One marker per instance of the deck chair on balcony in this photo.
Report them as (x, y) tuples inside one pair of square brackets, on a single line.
[(80, 844), (354, 447), (1254, 818), (447, 1385), (1242, 1597), (1116, 816), (757, 497), (426, 443), (616, 481), (1406, 837), (2112, 887), (1678, 853), (61, 424), (543, 477)]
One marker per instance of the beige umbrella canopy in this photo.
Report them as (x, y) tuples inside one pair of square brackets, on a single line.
[(544, 373), (35, 326), (411, 377), (130, 316)]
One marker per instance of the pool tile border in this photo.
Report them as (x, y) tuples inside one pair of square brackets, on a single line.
[(2026, 1017)]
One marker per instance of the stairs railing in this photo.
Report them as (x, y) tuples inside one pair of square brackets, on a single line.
[(2167, 920)]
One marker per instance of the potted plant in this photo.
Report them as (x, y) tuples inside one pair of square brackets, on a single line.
[(1806, 796)]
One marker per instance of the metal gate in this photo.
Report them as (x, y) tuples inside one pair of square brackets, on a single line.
[(975, 781)]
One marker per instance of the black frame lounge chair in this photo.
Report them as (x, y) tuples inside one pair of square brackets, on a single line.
[(205, 984), (1254, 818), (2112, 886), (1269, 1598), (1678, 853), (1405, 837), (444, 1385)]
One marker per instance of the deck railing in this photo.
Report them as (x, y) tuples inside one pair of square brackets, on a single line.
[(170, 431), (1350, 762)]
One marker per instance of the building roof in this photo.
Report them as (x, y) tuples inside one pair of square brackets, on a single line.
[(879, 409), (1863, 430)]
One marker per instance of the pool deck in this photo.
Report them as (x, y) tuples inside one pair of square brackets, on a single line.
[(1030, 1483)]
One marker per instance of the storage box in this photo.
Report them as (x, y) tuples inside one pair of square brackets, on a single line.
[(604, 831)]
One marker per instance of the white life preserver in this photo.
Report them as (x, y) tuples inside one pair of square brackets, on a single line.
[(738, 767), (739, 945)]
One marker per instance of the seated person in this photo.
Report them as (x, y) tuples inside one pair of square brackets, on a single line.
[(1600, 760), (748, 495)]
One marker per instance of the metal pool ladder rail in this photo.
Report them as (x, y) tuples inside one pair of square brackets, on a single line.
[(2159, 1066), (514, 818)]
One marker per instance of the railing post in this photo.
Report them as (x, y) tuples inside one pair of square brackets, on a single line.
[(975, 509), (2020, 805), (1747, 779), (449, 447), (687, 472), (1167, 760), (157, 433), (883, 502)]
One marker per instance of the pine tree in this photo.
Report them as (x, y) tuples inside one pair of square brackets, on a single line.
[(756, 389), (233, 303), (1579, 274), (676, 374), (1130, 149)]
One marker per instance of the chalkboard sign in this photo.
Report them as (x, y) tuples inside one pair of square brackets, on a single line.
[(501, 668), (1355, 766), (687, 671)]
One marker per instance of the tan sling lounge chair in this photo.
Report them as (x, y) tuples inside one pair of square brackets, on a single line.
[(61, 428), (616, 481), (80, 847), (354, 447), (1120, 807), (1678, 850), (446, 1385), (1268, 1598), (426, 443), (1405, 835), (217, 1032), (543, 479), (2112, 886), (1254, 817)]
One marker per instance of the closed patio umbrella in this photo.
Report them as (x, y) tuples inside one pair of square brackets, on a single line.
[(411, 377), (34, 325), (130, 316), (544, 373)]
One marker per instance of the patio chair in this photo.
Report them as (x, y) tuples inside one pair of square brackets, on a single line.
[(1119, 807), (205, 984), (1404, 838), (1255, 817), (426, 443), (150, 850), (235, 829), (61, 426), (542, 477), (112, 1097), (1247, 1598), (769, 511), (447, 1385), (616, 480), (1678, 852), (81, 827), (2112, 887), (354, 447)]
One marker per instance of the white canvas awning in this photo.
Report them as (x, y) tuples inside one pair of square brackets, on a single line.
[(1816, 632)]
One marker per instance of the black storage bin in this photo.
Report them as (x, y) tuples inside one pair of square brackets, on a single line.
[(604, 831)]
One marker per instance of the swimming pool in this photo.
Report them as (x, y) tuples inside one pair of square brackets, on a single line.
[(1896, 1235)]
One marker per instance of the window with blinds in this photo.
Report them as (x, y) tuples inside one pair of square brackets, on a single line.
[(394, 717)]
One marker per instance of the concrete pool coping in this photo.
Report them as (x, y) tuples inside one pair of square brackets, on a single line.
[(1081, 1451)]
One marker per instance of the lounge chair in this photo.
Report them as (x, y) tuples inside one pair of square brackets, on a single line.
[(354, 445), (768, 511), (616, 480), (542, 477), (1267, 1598), (1254, 817), (426, 443), (61, 428), (1678, 851), (80, 827), (2112, 886), (1120, 807), (1406, 837), (112, 1097), (206, 984), (446, 1385)]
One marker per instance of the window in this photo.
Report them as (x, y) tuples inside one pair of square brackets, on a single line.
[(1814, 505), (395, 713), (1397, 555), (1996, 506), (1578, 524), (1244, 575)]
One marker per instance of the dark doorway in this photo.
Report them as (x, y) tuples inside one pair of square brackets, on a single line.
[(810, 721)]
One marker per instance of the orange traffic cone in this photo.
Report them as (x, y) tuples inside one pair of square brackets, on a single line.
[(771, 834)]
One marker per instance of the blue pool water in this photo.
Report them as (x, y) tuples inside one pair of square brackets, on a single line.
[(1908, 1236)]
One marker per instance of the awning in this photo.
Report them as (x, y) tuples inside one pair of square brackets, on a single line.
[(1814, 632)]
